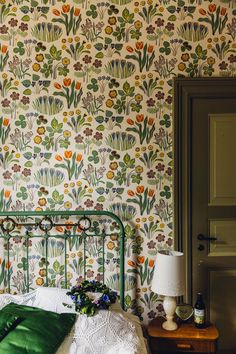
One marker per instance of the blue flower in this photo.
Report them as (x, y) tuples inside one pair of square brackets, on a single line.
[(105, 298)]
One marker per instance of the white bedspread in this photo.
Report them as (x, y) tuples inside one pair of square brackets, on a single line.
[(107, 332)]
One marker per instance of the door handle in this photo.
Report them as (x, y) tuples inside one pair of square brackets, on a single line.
[(201, 237)]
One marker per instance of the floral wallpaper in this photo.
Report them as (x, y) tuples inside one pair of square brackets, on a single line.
[(86, 109)]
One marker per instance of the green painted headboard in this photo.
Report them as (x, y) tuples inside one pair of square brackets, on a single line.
[(67, 226)]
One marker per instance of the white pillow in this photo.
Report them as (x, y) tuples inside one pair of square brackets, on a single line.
[(52, 299)]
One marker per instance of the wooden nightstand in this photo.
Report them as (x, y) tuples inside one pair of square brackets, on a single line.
[(186, 339)]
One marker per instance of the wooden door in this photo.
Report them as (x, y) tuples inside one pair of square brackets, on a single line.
[(205, 196)]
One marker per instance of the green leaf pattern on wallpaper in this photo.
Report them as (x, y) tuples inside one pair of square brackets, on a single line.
[(85, 122)]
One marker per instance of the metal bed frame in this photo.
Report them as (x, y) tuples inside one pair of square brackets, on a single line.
[(82, 228)]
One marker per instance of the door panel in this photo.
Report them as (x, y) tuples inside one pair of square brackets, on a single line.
[(222, 155), (205, 196), (226, 320), (225, 245)]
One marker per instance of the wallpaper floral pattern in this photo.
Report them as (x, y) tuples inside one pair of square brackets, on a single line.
[(86, 107)]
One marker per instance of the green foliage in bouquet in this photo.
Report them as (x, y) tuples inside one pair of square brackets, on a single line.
[(85, 303)]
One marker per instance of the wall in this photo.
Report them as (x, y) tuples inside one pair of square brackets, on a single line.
[(86, 109)]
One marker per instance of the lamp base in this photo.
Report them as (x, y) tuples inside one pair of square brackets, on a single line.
[(169, 305), (169, 325)]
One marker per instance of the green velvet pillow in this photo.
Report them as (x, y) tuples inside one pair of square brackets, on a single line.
[(7, 323), (39, 332)]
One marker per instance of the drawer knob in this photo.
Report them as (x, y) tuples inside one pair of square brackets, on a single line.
[(183, 346)]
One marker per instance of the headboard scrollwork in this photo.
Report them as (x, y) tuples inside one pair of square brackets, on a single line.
[(67, 227)]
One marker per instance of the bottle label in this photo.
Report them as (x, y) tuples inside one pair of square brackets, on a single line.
[(199, 316)]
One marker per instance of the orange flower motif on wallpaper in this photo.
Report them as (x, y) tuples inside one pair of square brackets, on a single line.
[(70, 90), (68, 154), (72, 163), (144, 55), (143, 268), (144, 198), (7, 194), (70, 17), (216, 16), (143, 127)]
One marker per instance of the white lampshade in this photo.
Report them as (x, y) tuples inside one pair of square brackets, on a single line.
[(169, 275)]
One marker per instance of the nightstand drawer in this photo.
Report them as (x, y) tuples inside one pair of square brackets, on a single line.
[(165, 345), (185, 339)]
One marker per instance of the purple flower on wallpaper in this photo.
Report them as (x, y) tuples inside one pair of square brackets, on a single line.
[(99, 26), (151, 174), (4, 29), (151, 244), (169, 171), (98, 136), (150, 29), (88, 132), (98, 207), (87, 59), (88, 203), (23, 27), (169, 242), (78, 66), (79, 139), (5, 102), (160, 237), (100, 99), (25, 100), (159, 22), (16, 168), (17, 239), (89, 273), (170, 26), (232, 58), (223, 65), (159, 95), (97, 63), (13, 22), (26, 172), (7, 175), (150, 102), (15, 96), (160, 167), (27, 243)]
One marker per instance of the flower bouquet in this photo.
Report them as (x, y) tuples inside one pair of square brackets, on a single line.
[(89, 296)]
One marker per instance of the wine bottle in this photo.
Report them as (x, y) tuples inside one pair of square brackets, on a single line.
[(199, 312)]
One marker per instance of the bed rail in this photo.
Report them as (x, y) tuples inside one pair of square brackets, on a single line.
[(85, 224)]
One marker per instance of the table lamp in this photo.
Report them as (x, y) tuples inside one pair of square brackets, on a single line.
[(169, 280)]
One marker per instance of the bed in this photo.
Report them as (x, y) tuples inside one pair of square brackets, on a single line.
[(56, 249)]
